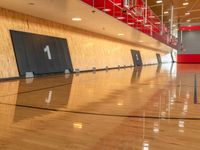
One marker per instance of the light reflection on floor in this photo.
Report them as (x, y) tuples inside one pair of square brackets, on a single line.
[(134, 108)]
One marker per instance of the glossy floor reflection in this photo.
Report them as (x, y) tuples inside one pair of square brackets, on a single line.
[(147, 108)]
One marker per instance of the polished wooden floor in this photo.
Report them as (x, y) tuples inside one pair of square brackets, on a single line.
[(149, 108)]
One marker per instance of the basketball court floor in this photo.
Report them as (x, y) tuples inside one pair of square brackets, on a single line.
[(149, 108), (99, 75)]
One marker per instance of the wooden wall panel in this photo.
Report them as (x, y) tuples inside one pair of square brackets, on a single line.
[(87, 49)]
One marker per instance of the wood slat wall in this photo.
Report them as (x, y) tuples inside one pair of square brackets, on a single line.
[(87, 49)]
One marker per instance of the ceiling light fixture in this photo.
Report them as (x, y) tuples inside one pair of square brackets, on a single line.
[(187, 13), (151, 16), (139, 20), (120, 18), (120, 34), (157, 22), (106, 10), (117, 4), (130, 23), (166, 12), (76, 19), (185, 3), (159, 1)]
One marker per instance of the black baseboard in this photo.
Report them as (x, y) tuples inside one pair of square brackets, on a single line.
[(10, 79)]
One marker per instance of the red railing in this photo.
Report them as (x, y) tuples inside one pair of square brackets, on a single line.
[(138, 16)]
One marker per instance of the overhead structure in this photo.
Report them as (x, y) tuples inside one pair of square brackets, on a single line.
[(137, 14)]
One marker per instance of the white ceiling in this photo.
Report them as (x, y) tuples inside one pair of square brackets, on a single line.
[(62, 11)]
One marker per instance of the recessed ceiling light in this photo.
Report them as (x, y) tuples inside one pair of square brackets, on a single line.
[(118, 4), (130, 23), (106, 9), (151, 16), (187, 13), (157, 22), (166, 12), (147, 25), (77, 125), (120, 18), (139, 20), (76, 19), (159, 1), (185, 3), (120, 34)]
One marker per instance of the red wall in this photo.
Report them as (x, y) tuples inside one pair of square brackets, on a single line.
[(191, 44), (189, 28), (188, 58)]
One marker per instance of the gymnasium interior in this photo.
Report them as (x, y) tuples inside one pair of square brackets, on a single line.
[(99, 74)]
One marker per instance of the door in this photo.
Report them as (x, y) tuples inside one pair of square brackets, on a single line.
[(137, 59), (40, 54)]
